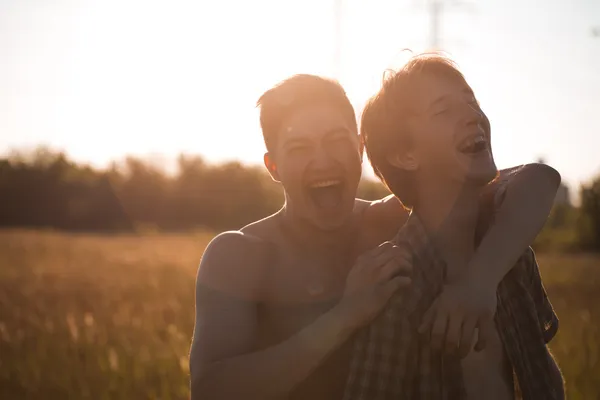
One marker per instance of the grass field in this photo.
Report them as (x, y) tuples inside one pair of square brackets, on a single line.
[(110, 317)]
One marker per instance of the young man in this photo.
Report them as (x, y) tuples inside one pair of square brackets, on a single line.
[(425, 136), (277, 301)]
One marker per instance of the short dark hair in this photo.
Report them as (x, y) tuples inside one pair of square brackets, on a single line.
[(294, 93), (383, 123)]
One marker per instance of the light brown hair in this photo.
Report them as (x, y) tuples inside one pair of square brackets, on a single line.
[(383, 123), (294, 93)]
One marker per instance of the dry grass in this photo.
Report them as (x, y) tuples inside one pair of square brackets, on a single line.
[(110, 317)]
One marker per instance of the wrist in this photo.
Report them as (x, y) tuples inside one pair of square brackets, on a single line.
[(344, 318), (483, 277)]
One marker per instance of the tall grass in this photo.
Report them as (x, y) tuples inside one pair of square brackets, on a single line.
[(111, 317)]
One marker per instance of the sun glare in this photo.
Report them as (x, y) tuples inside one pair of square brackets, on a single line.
[(105, 79)]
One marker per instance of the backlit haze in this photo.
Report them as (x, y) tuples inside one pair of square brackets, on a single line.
[(103, 79)]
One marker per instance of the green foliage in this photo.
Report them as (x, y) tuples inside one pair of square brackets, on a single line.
[(45, 189), (588, 227), (111, 317), (574, 228), (559, 233), (371, 190)]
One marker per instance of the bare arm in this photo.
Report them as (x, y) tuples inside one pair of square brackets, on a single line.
[(528, 199), (525, 196), (224, 360), (224, 363)]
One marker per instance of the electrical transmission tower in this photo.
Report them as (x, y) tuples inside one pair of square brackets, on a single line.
[(337, 56), (436, 7)]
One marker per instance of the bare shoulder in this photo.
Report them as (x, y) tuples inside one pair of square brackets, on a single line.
[(228, 291), (234, 262), (381, 219), (388, 211)]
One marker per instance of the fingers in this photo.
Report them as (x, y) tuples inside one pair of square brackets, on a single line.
[(394, 267), (455, 322), (438, 331), (385, 262), (486, 330), (429, 317), (466, 340), (395, 284), (371, 257), (387, 253), (382, 248)]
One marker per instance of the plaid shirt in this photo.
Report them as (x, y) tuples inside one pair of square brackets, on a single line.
[(391, 360)]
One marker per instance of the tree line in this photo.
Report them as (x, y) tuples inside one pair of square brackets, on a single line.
[(45, 189)]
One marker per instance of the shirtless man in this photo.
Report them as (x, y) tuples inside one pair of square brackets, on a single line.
[(277, 301), (436, 162)]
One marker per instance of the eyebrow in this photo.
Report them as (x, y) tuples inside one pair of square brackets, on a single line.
[(443, 98), (336, 130), (294, 142), (329, 132)]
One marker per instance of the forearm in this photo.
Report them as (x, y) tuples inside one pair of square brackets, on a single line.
[(528, 201), (277, 370)]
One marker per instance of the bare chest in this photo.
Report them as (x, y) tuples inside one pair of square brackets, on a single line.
[(297, 292), (487, 374)]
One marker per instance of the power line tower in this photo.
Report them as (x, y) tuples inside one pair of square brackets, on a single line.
[(337, 52), (436, 8)]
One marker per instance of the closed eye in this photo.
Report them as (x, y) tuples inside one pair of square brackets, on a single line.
[(473, 100), (296, 149)]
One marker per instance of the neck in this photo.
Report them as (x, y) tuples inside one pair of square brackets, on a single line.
[(449, 213), (316, 241)]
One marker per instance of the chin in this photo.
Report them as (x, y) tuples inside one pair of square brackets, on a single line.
[(483, 177)]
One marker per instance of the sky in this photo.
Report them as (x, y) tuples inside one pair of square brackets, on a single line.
[(101, 79)]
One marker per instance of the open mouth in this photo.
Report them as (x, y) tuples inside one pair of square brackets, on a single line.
[(474, 144), (326, 193)]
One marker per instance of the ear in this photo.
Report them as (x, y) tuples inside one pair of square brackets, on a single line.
[(406, 161), (271, 167)]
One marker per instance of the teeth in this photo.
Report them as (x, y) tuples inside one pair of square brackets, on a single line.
[(321, 184)]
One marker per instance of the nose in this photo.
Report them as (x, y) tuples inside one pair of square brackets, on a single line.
[(321, 160), (473, 115)]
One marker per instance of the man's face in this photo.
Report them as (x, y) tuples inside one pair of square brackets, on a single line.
[(450, 132), (318, 161)]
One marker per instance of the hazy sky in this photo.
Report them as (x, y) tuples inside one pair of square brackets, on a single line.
[(105, 78)]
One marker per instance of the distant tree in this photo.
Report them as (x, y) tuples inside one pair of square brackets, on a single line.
[(369, 189), (589, 222)]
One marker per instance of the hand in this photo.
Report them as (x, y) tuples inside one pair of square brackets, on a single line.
[(458, 310), (372, 281)]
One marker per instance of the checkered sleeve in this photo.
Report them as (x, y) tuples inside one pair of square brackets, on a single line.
[(380, 367), (547, 318)]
